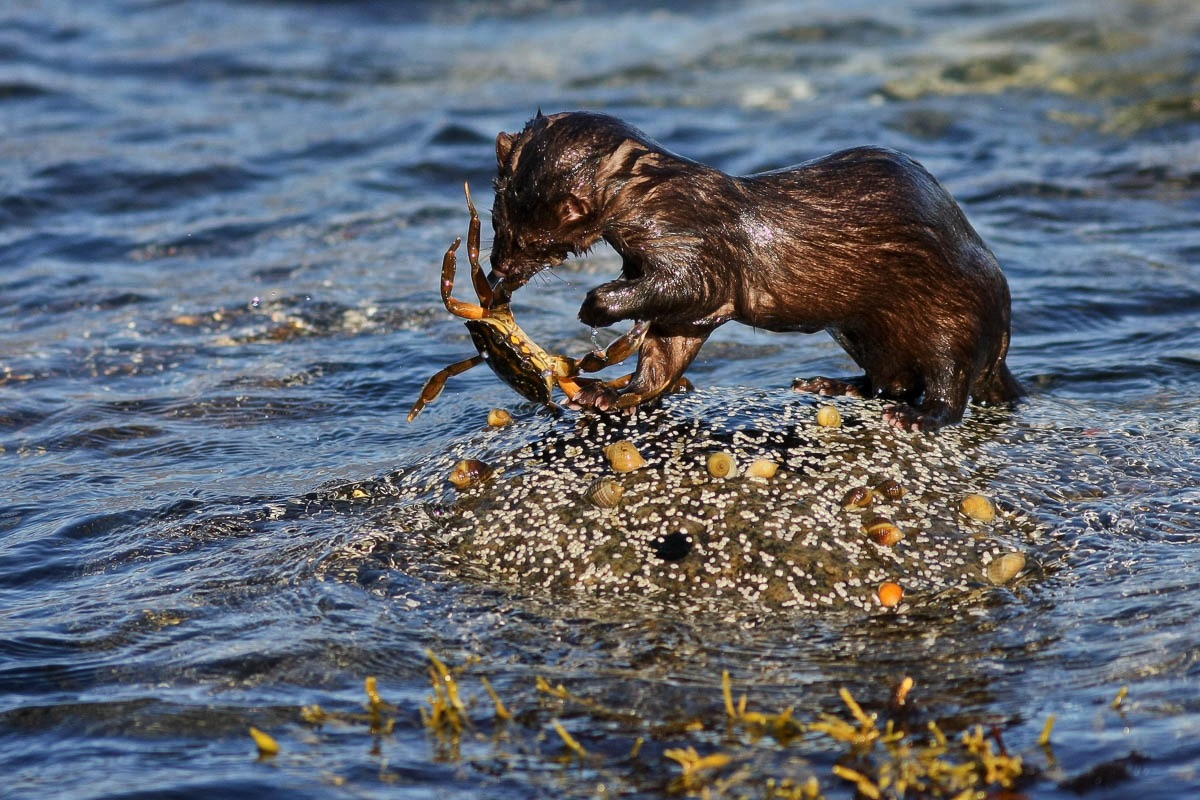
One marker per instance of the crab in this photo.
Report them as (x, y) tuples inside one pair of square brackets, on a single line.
[(509, 351)]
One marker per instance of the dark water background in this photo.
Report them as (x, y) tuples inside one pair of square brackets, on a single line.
[(220, 225)]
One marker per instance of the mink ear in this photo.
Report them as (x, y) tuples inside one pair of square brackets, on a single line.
[(504, 145), (575, 209)]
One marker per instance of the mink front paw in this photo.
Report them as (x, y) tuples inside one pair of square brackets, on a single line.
[(599, 309), (597, 396), (828, 387)]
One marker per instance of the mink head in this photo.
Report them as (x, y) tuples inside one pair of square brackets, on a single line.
[(549, 199)]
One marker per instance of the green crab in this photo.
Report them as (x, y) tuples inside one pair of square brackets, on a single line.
[(509, 351)]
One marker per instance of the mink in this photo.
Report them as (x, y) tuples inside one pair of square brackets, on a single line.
[(864, 243)]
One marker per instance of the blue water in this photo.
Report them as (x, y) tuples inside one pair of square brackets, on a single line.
[(220, 226)]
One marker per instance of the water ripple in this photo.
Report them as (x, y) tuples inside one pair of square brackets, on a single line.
[(221, 226)]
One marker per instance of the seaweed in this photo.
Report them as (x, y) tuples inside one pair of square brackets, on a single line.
[(880, 754)]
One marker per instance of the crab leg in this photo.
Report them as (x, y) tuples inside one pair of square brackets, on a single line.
[(617, 351), (482, 287), (458, 308), (433, 386)]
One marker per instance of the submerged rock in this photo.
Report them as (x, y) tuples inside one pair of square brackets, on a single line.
[(685, 537)]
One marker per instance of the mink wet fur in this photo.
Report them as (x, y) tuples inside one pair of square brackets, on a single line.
[(863, 243)]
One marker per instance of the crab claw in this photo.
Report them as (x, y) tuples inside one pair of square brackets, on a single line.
[(501, 289)]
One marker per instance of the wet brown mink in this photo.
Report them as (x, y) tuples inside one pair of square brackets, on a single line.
[(863, 243)]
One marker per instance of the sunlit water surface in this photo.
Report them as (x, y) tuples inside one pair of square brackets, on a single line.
[(220, 225)]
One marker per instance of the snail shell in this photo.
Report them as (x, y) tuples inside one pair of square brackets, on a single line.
[(858, 497), (469, 472), (892, 489), (624, 457), (1004, 568), (604, 493), (762, 468), (890, 594), (883, 532), (978, 508), (722, 465), (498, 418), (829, 417)]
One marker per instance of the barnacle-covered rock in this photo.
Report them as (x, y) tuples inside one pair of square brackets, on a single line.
[(695, 544)]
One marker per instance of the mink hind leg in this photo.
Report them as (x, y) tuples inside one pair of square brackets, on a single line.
[(662, 360), (943, 403)]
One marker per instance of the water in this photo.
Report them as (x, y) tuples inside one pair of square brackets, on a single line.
[(220, 225)]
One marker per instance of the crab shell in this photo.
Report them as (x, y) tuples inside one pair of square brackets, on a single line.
[(515, 358)]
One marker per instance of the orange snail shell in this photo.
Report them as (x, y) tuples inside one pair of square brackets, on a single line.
[(604, 493), (858, 497), (498, 418), (468, 473), (978, 508), (890, 594), (762, 468), (722, 465), (624, 457), (829, 417)]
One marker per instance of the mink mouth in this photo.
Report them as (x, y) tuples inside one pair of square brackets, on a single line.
[(513, 280)]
